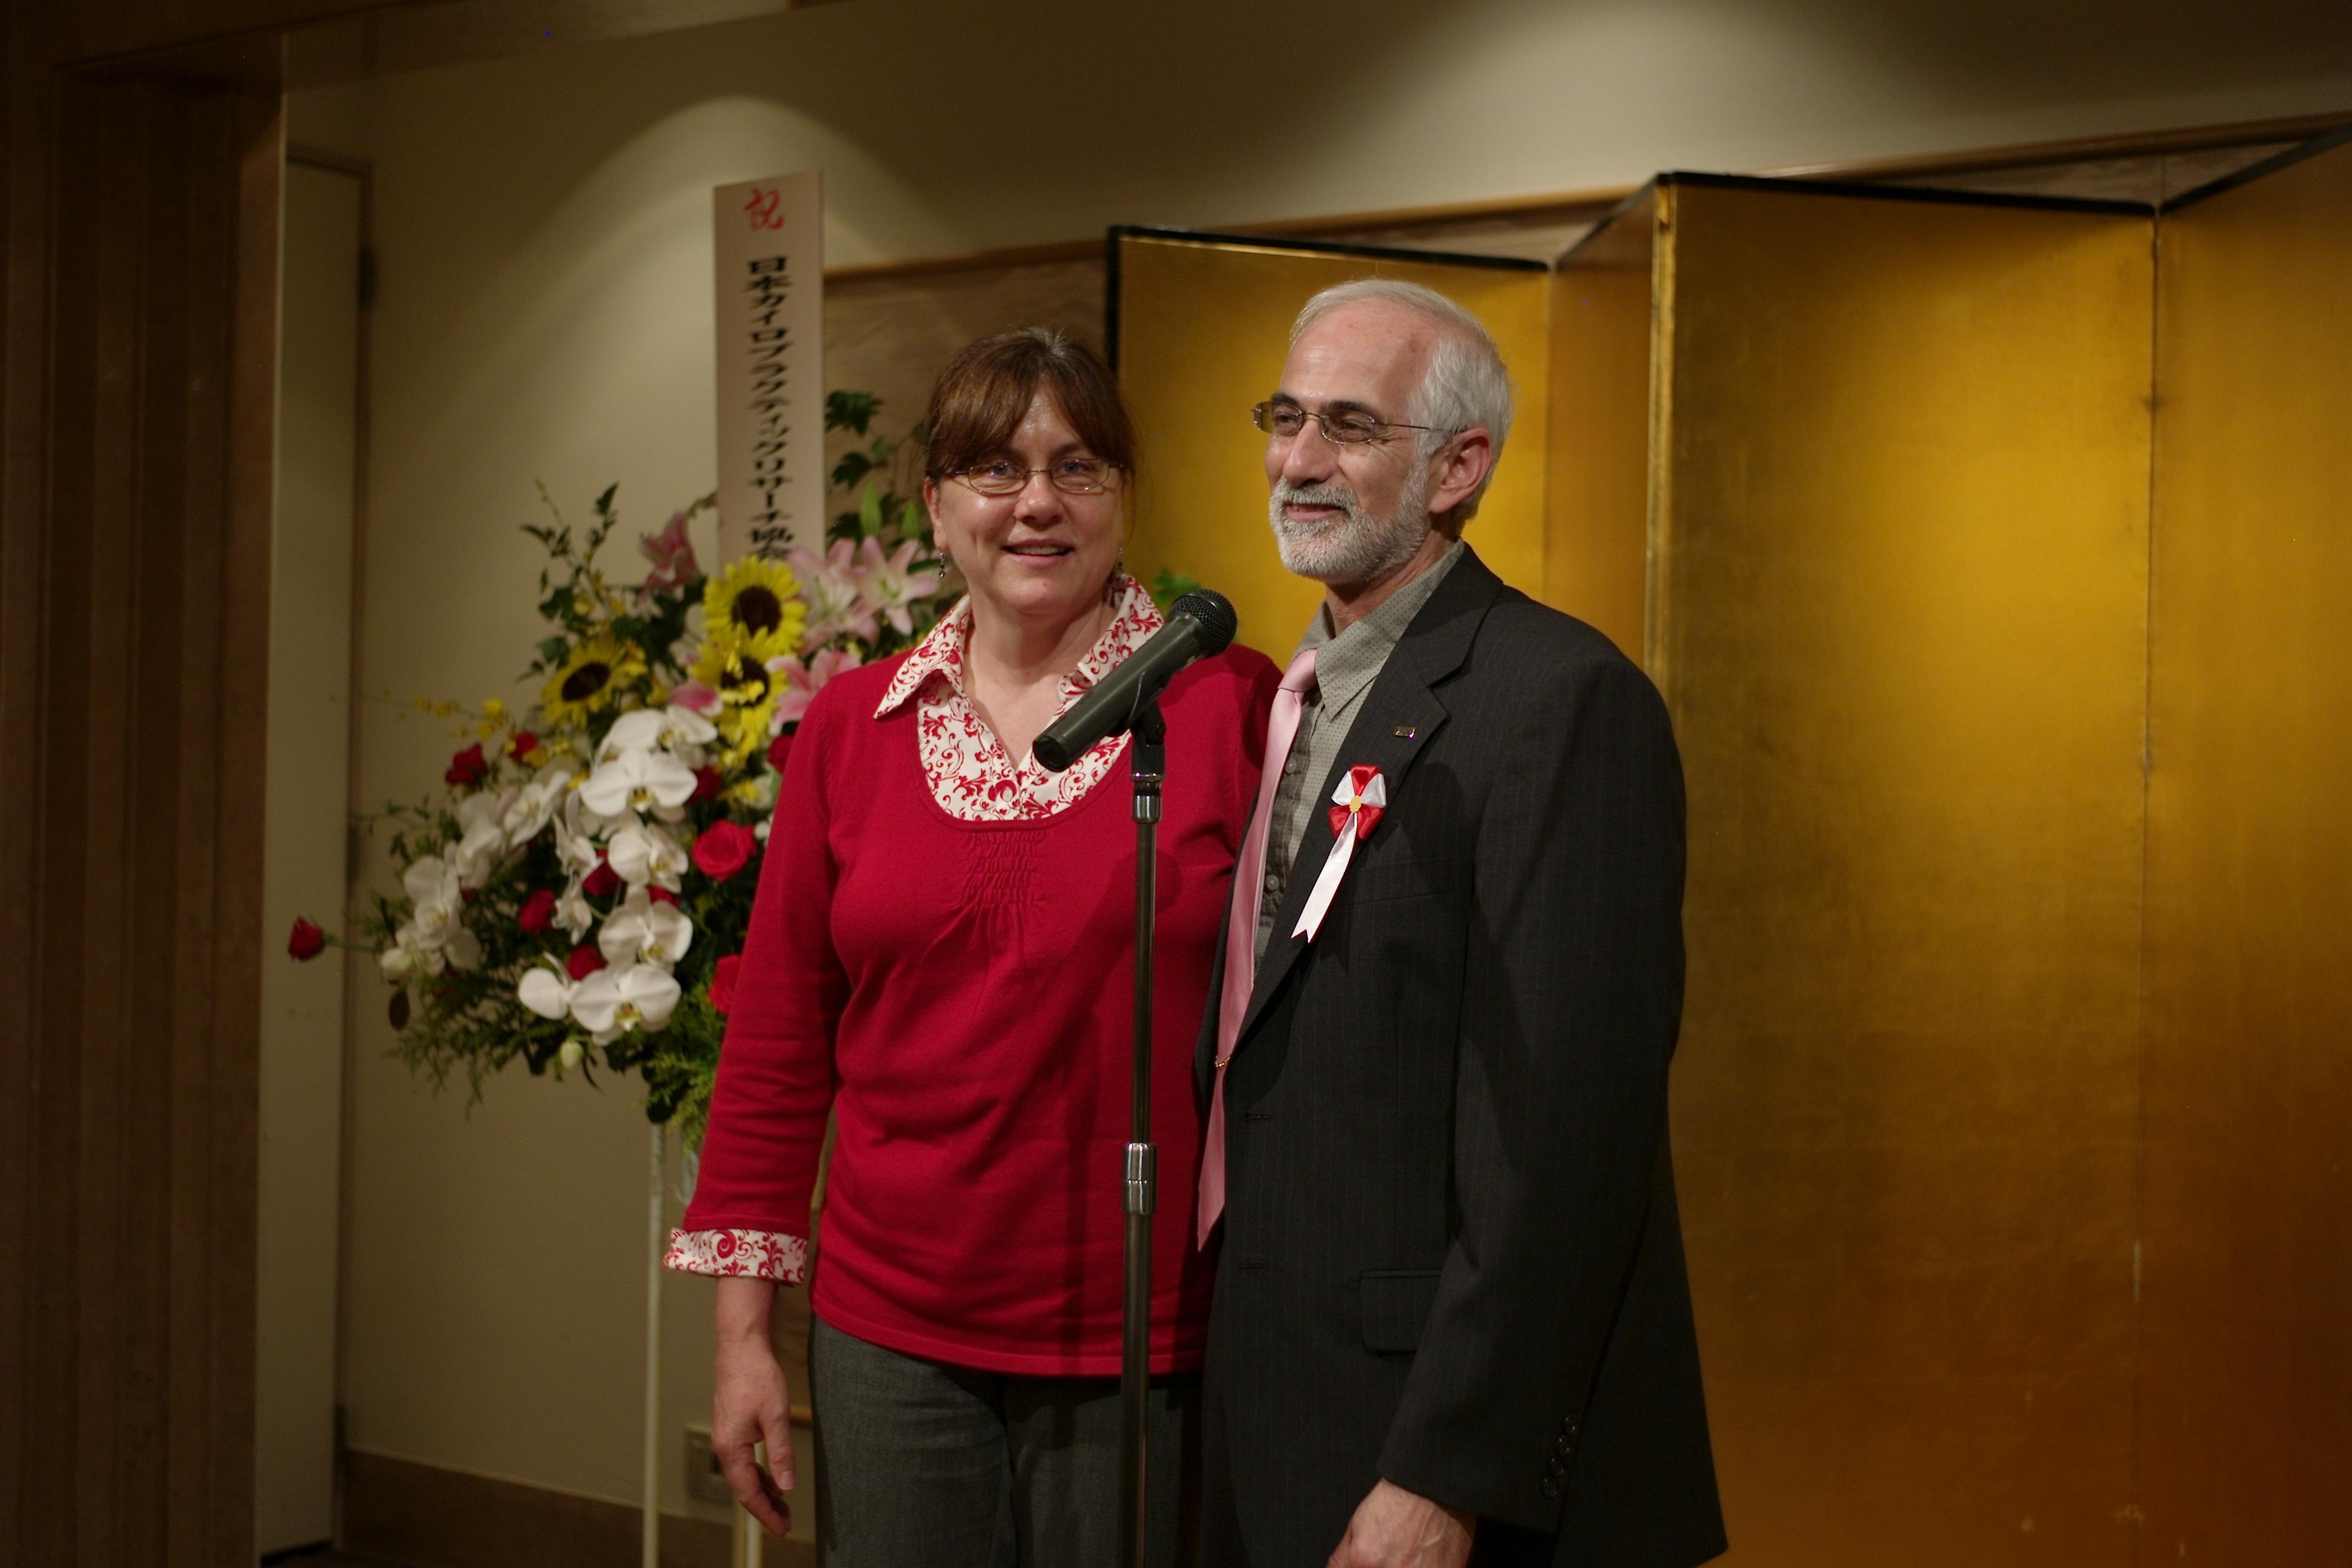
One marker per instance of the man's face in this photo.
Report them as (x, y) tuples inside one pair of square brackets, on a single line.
[(1350, 513)]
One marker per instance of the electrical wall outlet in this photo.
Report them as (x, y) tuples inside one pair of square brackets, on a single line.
[(705, 1481)]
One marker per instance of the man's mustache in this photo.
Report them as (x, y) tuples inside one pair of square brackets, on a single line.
[(1339, 496)]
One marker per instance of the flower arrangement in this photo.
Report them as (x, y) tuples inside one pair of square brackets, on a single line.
[(578, 894)]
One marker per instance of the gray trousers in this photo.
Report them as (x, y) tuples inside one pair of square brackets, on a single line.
[(924, 1464)]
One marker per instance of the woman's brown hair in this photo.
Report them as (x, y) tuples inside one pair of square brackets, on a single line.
[(985, 390)]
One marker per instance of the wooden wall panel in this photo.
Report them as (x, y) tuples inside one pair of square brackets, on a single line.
[(2245, 1424), (108, 29), (137, 528), (23, 204)]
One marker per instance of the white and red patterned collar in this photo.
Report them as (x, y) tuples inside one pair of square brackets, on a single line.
[(941, 652), (966, 766)]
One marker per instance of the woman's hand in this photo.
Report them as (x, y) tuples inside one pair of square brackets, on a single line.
[(749, 1403)]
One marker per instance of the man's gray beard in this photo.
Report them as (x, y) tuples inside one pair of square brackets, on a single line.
[(1358, 547)]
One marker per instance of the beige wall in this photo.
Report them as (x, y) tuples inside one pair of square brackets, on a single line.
[(544, 314)]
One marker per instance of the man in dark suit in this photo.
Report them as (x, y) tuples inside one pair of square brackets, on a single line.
[(1452, 1320)]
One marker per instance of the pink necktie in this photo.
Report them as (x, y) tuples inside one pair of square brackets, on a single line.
[(1241, 925)]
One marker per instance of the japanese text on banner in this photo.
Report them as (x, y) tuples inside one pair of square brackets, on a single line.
[(770, 359)]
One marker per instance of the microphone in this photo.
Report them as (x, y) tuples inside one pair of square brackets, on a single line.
[(1200, 624)]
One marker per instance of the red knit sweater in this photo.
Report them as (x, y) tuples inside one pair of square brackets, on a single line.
[(960, 996)]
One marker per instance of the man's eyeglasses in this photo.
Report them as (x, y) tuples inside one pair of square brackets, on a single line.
[(1071, 476), (1349, 427)]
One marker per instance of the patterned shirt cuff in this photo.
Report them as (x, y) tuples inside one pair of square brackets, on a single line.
[(759, 1254)]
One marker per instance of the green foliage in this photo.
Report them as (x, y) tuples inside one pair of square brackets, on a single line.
[(1167, 586), (884, 476), (683, 1064), (851, 411)]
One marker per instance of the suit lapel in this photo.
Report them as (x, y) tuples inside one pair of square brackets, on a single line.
[(1399, 715)]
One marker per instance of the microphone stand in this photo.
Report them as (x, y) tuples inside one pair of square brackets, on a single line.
[(1148, 755)]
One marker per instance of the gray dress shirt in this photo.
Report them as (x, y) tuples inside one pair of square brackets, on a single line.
[(1345, 668)]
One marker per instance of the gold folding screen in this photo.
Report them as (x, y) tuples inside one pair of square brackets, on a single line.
[(1597, 508), (1201, 324), (2015, 1089), (2245, 1422), (2016, 1068), (1899, 539)]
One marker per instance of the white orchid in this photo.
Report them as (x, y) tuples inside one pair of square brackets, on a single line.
[(644, 931), (572, 911), (481, 838), (546, 991), (647, 857), (638, 729), (403, 961), (436, 897), (651, 782), (577, 832), (534, 805), (435, 932), (614, 1002), (678, 729)]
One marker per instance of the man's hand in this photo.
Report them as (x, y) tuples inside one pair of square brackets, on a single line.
[(750, 1405), (1395, 1529)]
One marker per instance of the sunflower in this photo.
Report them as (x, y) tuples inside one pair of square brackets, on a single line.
[(747, 694), (755, 605), (599, 669)]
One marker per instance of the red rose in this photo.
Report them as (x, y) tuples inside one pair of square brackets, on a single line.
[(706, 782), (723, 849), (603, 882), (538, 911), (584, 961), (722, 983), (307, 940), (523, 745), (661, 895), (778, 749), (466, 768)]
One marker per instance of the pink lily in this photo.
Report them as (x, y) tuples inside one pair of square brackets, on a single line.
[(892, 585), (834, 586), (802, 682), (695, 698), (672, 554)]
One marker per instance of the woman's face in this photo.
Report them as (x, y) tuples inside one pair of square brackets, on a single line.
[(1039, 554)]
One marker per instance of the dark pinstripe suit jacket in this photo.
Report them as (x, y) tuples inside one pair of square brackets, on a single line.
[(1451, 1254)]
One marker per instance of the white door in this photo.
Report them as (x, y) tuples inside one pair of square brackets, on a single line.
[(310, 752)]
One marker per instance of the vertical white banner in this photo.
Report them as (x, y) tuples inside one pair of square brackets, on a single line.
[(769, 245)]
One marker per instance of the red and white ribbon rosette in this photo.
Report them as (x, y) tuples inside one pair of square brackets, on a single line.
[(1356, 808)]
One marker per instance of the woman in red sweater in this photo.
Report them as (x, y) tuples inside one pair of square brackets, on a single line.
[(940, 958)]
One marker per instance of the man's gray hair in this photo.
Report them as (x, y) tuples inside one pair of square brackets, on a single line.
[(1466, 386)]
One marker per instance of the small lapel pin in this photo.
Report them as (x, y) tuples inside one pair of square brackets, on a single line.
[(1405, 731)]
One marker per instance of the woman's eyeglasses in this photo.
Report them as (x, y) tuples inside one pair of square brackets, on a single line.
[(1071, 476)]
